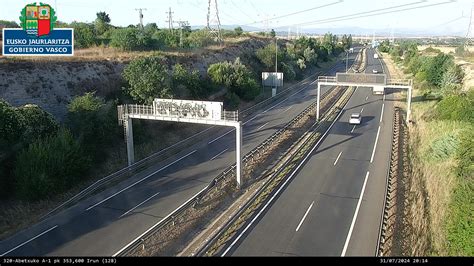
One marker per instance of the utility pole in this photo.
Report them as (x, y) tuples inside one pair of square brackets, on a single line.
[(347, 60), (181, 25), (140, 12), (276, 68), (170, 20)]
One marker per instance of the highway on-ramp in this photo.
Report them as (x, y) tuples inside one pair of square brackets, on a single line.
[(332, 205), (103, 224)]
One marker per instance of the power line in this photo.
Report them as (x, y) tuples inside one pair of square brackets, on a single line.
[(297, 12), (361, 14)]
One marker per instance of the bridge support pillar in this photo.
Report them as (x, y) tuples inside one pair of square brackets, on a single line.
[(318, 102), (129, 138), (238, 154)]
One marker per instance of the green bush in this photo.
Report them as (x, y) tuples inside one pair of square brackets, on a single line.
[(93, 122), (130, 39), (199, 38), (148, 78), (231, 101), (11, 126), (465, 154), (236, 77), (37, 123), (84, 35), (457, 107), (49, 166)]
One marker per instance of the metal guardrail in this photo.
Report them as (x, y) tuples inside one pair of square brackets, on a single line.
[(228, 173), (328, 112)]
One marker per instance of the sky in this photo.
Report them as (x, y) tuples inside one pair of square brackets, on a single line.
[(445, 17)]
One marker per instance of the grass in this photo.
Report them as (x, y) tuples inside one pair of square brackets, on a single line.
[(440, 207)]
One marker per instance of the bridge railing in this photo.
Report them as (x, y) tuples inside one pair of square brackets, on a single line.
[(327, 79), (399, 82)]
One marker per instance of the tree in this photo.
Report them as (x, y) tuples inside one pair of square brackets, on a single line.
[(148, 78), (129, 39), (36, 123), (239, 31), (266, 55), (11, 124), (49, 166), (102, 23), (236, 77), (273, 33), (84, 35), (103, 17), (8, 24)]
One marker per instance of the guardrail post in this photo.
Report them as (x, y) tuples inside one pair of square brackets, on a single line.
[(319, 100), (129, 136), (238, 149)]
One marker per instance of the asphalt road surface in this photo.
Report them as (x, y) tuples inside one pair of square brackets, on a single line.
[(105, 223), (332, 206)]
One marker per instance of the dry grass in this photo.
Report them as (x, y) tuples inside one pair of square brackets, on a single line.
[(431, 182)]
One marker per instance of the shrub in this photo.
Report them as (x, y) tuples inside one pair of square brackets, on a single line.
[(49, 166)]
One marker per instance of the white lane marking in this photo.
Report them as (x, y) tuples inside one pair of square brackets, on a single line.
[(304, 217), (381, 115), (352, 131), (361, 111), (355, 216), (210, 142), (366, 98), (139, 181), (288, 109), (132, 209), (250, 120), (263, 126), (384, 95), (337, 159), (375, 146), (220, 153), (284, 184), (24, 243), (158, 223)]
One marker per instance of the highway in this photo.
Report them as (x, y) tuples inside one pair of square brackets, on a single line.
[(332, 205), (103, 224)]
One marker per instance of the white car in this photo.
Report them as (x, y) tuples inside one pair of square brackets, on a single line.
[(355, 119), (375, 71)]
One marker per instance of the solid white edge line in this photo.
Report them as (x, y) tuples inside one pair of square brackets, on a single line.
[(219, 154), (375, 146), (158, 223), (355, 216), (221, 137), (337, 159), (352, 131), (24, 243), (139, 181), (288, 109), (284, 184), (132, 209), (381, 115), (263, 126), (361, 111), (250, 120), (304, 217)]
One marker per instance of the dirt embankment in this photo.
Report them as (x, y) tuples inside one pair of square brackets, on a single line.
[(52, 83)]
